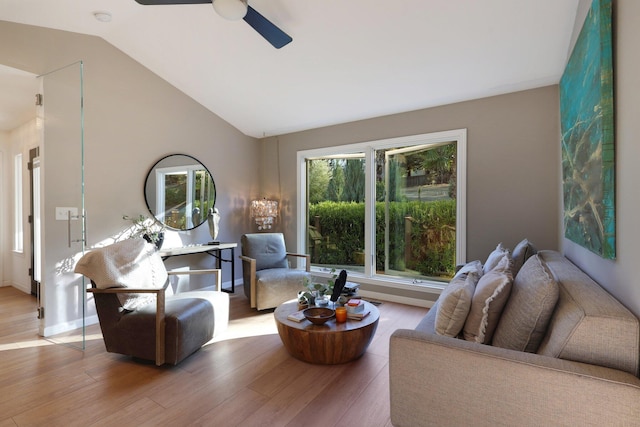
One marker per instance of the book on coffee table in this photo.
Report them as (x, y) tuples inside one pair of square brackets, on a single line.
[(355, 306), (358, 316), (298, 316)]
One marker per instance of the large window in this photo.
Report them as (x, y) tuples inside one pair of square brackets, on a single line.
[(391, 210)]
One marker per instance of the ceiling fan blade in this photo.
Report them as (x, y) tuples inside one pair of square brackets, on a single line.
[(266, 28), (161, 2)]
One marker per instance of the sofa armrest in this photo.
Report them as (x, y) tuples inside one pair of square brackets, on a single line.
[(448, 381)]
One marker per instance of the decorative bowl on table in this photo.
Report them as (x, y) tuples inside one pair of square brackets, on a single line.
[(318, 315)]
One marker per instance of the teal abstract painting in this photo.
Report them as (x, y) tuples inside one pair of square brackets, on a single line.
[(587, 126)]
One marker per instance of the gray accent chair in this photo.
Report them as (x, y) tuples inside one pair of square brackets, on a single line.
[(160, 326), (268, 279)]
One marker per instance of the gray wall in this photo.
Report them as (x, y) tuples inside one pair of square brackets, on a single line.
[(512, 176), (620, 276), (132, 119)]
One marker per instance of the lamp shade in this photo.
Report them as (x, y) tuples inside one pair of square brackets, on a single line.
[(264, 212), (231, 9)]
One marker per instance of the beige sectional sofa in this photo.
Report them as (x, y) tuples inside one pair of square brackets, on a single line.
[(583, 372)]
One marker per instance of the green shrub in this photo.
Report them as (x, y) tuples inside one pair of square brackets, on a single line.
[(429, 225)]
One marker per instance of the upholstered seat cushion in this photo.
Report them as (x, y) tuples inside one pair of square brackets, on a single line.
[(189, 322), (277, 285)]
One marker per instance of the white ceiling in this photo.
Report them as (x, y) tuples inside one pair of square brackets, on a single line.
[(349, 59)]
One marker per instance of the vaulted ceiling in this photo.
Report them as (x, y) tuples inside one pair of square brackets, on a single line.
[(349, 59)]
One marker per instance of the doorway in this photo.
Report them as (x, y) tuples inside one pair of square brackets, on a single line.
[(56, 176), (34, 222), (18, 124)]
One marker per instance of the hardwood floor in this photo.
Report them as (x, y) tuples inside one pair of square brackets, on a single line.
[(244, 378)]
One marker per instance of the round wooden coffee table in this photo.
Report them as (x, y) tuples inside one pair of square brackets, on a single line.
[(328, 344)]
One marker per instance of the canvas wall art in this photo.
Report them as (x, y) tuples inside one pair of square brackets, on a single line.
[(587, 125)]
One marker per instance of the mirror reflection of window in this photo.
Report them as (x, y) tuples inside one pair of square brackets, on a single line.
[(175, 201), (179, 192)]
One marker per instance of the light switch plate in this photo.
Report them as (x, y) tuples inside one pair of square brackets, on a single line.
[(62, 214)]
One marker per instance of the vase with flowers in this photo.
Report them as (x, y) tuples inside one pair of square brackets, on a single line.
[(148, 228)]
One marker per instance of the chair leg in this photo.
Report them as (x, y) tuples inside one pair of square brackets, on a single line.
[(160, 326)]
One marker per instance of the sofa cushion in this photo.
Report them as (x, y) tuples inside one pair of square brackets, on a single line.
[(427, 324), (492, 292), (470, 267), (526, 315), (521, 253), (454, 304), (494, 257)]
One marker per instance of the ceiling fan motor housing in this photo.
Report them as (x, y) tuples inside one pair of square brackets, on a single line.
[(232, 10)]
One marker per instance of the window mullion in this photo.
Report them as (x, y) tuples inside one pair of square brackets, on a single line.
[(370, 213)]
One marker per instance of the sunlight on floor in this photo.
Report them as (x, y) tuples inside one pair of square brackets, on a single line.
[(42, 342), (249, 327)]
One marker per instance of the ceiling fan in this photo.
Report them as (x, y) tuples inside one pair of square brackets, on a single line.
[(234, 10)]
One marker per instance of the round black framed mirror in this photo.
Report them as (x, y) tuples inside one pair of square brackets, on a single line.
[(180, 192)]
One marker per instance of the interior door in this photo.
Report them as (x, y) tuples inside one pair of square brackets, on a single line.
[(62, 211), (34, 222)]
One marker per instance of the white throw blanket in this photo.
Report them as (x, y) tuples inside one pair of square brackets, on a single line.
[(131, 263)]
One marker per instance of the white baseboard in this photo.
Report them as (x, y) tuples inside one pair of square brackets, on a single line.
[(24, 288), (60, 328)]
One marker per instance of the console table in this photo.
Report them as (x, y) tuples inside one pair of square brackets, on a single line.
[(215, 251)]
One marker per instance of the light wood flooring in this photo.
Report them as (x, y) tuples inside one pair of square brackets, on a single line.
[(244, 378)]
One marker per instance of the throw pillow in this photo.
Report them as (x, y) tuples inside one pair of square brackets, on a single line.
[(470, 267), (489, 299), (454, 304), (527, 314), (521, 253), (494, 257)]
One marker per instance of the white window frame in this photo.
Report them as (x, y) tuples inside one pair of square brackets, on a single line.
[(161, 173), (368, 148)]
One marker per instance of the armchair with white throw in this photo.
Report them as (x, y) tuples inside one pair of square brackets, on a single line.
[(137, 316)]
